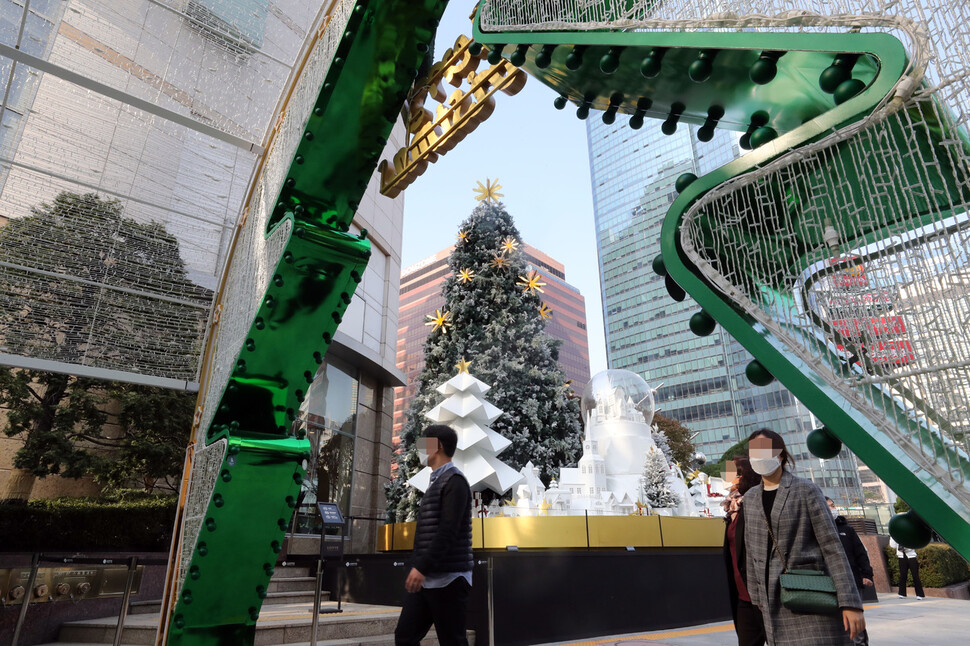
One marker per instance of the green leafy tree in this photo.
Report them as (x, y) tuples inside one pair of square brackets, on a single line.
[(148, 447), (678, 439), (76, 287), (495, 322)]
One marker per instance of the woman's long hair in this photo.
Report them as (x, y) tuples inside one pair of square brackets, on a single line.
[(747, 478), (776, 442)]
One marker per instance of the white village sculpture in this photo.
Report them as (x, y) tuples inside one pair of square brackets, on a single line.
[(618, 409), (465, 410)]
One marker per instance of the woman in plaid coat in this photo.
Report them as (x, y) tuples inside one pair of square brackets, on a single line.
[(806, 535)]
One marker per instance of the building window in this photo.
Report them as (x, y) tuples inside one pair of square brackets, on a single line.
[(329, 415)]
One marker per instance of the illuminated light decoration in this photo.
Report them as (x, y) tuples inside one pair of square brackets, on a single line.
[(545, 311), (466, 276), (488, 192), (432, 134), (509, 245), (439, 321), (531, 282)]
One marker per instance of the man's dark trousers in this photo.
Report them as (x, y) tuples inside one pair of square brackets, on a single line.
[(444, 607)]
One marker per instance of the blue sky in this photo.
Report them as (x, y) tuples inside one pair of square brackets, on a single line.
[(539, 156)]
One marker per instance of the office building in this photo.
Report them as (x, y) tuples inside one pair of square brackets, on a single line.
[(701, 379)]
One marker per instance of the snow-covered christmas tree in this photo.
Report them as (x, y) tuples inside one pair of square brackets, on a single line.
[(494, 315), (656, 488), (466, 410)]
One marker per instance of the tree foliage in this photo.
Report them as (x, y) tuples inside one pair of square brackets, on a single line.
[(497, 325), (75, 287), (678, 438), (656, 488)]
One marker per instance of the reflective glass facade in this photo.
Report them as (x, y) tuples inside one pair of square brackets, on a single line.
[(700, 380)]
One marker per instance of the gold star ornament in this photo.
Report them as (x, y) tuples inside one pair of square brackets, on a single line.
[(509, 244), (462, 236), (463, 365), (531, 283), (466, 275), (439, 321), (488, 192), (545, 311), (499, 261)]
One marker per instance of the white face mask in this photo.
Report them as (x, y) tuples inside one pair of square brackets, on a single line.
[(423, 457), (835, 513), (765, 466)]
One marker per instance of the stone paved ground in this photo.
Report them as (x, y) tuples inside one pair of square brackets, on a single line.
[(891, 622)]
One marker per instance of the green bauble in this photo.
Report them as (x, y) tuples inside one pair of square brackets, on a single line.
[(847, 90), (909, 530), (495, 55), (763, 71), (658, 265), (675, 291), (823, 444), (683, 181), (758, 374), (574, 60), (560, 102), (543, 58), (700, 70), (762, 135), (518, 56), (650, 66), (609, 62), (702, 324), (832, 76)]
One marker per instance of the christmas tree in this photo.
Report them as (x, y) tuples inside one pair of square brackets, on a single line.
[(494, 316), (466, 410), (656, 488)]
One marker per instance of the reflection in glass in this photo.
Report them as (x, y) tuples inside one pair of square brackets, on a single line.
[(328, 415)]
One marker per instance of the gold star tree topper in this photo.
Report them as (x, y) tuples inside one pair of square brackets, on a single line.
[(463, 365), (509, 244), (466, 275), (531, 283), (440, 321), (488, 192)]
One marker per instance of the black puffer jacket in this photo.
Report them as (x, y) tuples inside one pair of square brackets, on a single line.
[(855, 551), (443, 537)]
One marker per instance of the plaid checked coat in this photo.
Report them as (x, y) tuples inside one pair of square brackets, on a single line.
[(806, 534)]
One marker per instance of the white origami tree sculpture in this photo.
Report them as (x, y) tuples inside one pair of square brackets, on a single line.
[(465, 410)]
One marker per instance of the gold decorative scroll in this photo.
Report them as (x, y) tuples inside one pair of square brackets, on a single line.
[(430, 134)]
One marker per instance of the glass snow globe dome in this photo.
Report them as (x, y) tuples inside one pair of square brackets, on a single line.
[(618, 395)]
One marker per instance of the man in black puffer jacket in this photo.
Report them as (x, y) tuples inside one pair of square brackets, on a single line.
[(441, 564), (858, 558)]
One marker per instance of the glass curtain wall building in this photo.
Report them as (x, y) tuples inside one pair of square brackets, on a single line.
[(700, 380)]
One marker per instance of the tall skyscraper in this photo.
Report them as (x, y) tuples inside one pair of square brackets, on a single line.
[(421, 285), (701, 379)]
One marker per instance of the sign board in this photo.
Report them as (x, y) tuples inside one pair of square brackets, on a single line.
[(331, 546)]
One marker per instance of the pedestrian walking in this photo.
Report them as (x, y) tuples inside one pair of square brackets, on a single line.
[(748, 624), (856, 554), (441, 565), (906, 558), (788, 530)]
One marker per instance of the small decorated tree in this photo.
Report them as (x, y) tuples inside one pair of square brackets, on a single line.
[(656, 488)]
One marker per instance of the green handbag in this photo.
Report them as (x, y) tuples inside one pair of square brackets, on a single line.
[(805, 591)]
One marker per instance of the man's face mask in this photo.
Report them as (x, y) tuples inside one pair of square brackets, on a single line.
[(426, 446)]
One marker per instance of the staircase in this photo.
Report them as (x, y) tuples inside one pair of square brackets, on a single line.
[(286, 618)]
